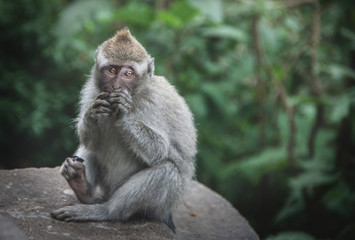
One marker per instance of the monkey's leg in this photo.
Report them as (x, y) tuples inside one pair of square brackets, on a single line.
[(151, 193)]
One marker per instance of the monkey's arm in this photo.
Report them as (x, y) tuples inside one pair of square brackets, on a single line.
[(151, 144), (145, 138), (91, 120)]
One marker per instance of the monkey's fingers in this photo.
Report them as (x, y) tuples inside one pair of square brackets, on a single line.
[(120, 97), (101, 103), (120, 92), (120, 100), (122, 107), (102, 111), (127, 93), (101, 107), (103, 95)]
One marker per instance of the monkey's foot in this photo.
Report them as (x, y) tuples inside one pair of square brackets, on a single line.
[(73, 170), (80, 212), (66, 214)]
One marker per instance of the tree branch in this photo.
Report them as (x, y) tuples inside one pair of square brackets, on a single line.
[(261, 60), (260, 85), (315, 82), (297, 3), (290, 114)]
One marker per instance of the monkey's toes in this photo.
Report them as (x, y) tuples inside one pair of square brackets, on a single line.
[(72, 169), (76, 163), (57, 214), (76, 158), (64, 214)]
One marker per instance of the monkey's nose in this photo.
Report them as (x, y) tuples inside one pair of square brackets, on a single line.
[(116, 86)]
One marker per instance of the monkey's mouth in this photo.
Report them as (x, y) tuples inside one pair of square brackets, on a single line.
[(111, 88)]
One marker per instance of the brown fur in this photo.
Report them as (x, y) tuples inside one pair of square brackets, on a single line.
[(123, 46)]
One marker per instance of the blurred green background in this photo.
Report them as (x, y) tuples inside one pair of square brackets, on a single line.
[(271, 84)]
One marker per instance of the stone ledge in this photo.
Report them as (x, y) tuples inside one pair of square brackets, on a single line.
[(29, 195)]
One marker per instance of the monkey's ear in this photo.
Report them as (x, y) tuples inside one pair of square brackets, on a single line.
[(100, 58), (96, 52), (150, 66)]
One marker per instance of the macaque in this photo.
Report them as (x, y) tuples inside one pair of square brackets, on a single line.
[(137, 140)]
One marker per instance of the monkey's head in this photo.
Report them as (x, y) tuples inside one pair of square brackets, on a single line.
[(122, 62)]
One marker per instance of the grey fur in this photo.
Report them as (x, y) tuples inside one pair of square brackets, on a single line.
[(139, 156)]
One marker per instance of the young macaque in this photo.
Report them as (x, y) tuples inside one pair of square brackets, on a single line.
[(137, 140)]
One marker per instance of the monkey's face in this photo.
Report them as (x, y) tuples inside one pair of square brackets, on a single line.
[(117, 76), (122, 62), (111, 75)]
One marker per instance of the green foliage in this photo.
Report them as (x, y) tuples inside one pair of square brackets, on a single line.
[(291, 236), (208, 50), (255, 167), (179, 14)]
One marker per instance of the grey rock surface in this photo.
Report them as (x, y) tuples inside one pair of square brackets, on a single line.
[(27, 196), (9, 230)]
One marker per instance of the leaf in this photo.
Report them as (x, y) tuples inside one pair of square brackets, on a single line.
[(340, 109), (136, 14), (218, 96), (225, 31), (316, 173), (72, 19), (291, 236), (170, 19), (254, 167), (311, 179), (178, 15), (348, 34), (338, 72), (198, 104), (340, 199), (212, 9), (304, 100)]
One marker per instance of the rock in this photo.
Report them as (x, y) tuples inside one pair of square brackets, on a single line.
[(29, 195), (9, 230)]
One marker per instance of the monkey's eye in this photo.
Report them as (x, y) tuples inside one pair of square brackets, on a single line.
[(112, 70), (128, 73)]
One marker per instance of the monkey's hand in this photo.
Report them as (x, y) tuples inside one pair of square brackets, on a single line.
[(100, 108), (121, 101), (73, 170)]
